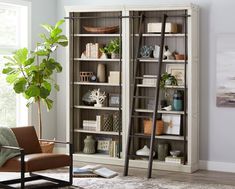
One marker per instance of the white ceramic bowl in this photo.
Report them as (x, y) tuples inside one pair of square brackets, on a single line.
[(175, 153)]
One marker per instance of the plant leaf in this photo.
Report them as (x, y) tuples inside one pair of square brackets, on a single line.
[(47, 85), (56, 32), (62, 40), (59, 23), (47, 27), (29, 61), (44, 93), (49, 103), (58, 67), (33, 91), (57, 87), (8, 70), (12, 78), (20, 85), (21, 56)]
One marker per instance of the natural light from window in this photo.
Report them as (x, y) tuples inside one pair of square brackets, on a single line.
[(13, 35)]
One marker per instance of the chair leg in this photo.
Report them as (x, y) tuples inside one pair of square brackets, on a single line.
[(71, 165), (22, 165)]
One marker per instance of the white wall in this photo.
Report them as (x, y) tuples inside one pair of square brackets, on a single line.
[(43, 11), (217, 125)]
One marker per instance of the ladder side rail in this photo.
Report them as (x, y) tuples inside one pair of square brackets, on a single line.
[(136, 70), (155, 113)]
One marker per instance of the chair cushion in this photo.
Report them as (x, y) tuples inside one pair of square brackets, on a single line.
[(37, 162), (27, 139)]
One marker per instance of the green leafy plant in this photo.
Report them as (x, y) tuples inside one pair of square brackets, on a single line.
[(112, 47), (31, 73), (167, 79)]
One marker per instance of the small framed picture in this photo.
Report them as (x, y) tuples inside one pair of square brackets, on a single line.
[(103, 145), (177, 71), (172, 124), (114, 100)]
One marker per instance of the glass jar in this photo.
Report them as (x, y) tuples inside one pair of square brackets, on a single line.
[(177, 101)]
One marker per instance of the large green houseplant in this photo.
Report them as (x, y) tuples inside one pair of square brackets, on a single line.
[(31, 72)]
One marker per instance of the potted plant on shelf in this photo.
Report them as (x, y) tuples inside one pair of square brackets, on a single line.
[(31, 72), (111, 49)]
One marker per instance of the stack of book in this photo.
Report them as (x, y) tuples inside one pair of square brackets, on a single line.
[(176, 160), (94, 171)]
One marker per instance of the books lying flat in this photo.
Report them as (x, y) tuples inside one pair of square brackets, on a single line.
[(104, 172), (176, 160), (93, 171)]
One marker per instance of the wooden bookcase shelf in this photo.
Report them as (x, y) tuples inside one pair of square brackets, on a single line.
[(185, 41)]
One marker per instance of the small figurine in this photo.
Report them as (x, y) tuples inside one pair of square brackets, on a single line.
[(98, 96), (168, 54)]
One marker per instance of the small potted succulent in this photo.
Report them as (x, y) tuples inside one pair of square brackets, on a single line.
[(112, 49)]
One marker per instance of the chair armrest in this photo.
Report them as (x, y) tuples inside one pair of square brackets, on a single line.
[(11, 148), (59, 142)]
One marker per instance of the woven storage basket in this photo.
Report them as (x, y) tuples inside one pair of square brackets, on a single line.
[(148, 127), (47, 147)]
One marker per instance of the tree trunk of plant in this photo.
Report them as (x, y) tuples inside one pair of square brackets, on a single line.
[(39, 120)]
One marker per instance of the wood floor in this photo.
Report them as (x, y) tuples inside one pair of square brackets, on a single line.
[(202, 176)]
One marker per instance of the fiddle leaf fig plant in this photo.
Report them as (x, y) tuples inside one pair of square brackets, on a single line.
[(31, 72)]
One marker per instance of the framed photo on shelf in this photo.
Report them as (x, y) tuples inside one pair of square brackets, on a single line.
[(103, 145), (178, 71), (172, 124), (114, 99)]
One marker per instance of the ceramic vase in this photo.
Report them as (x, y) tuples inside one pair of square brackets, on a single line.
[(89, 145), (162, 151), (101, 73), (156, 51)]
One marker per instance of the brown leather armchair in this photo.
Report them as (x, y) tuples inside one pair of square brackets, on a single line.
[(32, 159)]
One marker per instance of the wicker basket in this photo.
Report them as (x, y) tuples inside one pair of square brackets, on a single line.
[(148, 127), (47, 147)]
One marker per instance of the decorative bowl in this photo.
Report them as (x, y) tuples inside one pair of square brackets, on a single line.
[(111, 29), (175, 153), (179, 56)]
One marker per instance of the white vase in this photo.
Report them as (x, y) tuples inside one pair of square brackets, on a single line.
[(101, 73), (156, 51)]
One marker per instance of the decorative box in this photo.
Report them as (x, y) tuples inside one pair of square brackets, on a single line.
[(156, 27), (114, 77), (148, 127)]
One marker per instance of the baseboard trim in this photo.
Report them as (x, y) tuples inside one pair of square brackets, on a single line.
[(217, 166)]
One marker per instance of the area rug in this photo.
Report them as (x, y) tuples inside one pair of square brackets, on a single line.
[(132, 182)]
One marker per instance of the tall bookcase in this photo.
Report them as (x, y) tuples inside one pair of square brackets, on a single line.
[(185, 41)]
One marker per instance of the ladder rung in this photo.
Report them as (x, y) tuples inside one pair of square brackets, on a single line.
[(140, 136), (137, 156), (141, 116), (147, 77), (144, 97)]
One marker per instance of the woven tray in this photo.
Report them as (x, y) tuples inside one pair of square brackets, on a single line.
[(112, 29)]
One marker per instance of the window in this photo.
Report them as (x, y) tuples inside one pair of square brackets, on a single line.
[(14, 34)]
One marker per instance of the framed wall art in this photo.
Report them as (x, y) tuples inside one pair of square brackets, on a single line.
[(176, 70), (225, 69)]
